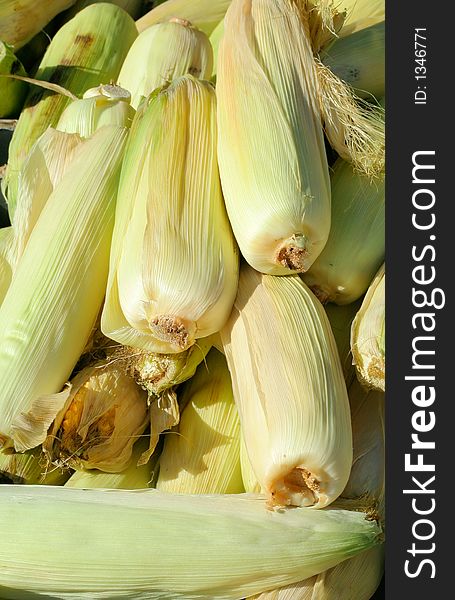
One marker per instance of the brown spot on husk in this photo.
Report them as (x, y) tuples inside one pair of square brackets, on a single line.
[(170, 329), (292, 257)]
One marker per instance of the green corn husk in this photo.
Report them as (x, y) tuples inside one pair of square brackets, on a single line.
[(272, 157), (104, 105), (341, 318), (164, 52), (289, 390), (368, 335), (29, 469), (103, 416), (156, 372), (192, 547), (88, 51), (12, 91), (359, 60), (174, 262), (20, 20), (361, 14), (131, 478), (56, 294), (204, 14), (132, 7), (356, 245), (203, 455), (6, 259)]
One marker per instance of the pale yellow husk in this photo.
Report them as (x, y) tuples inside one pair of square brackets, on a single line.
[(272, 157), (202, 455), (174, 262), (341, 317), (361, 14), (250, 482), (20, 20), (356, 245), (6, 259), (368, 335), (56, 294), (289, 390), (191, 547), (204, 14), (104, 414), (87, 51), (131, 478), (164, 52)]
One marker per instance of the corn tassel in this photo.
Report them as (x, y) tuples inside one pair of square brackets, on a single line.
[(356, 245), (174, 262), (272, 158), (368, 336), (164, 52), (203, 456), (192, 547), (204, 14), (53, 301), (88, 51), (289, 389)]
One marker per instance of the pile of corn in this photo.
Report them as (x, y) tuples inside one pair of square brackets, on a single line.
[(192, 300)]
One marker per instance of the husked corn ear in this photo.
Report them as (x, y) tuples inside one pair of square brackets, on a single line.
[(174, 262), (204, 14), (289, 390), (158, 372), (368, 335), (250, 482), (29, 468), (56, 294), (356, 245), (271, 153), (103, 416), (87, 51), (359, 60), (103, 105), (131, 478), (192, 547), (361, 14), (21, 19), (12, 91), (341, 318), (164, 52), (203, 457)]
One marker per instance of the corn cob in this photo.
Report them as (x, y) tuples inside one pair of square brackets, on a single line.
[(52, 303), (204, 14), (173, 270), (204, 456), (164, 52), (368, 335), (192, 547), (272, 158), (21, 19), (359, 60), (12, 91), (356, 245), (131, 478), (103, 416), (88, 51), (30, 469), (289, 389)]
